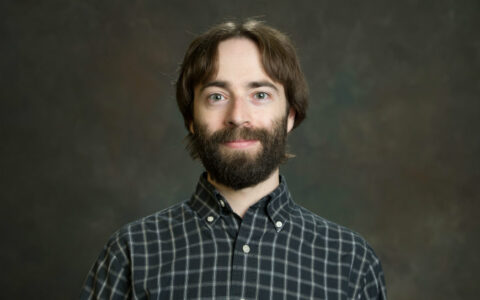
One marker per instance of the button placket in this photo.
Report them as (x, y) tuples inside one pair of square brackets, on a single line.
[(244, 252)]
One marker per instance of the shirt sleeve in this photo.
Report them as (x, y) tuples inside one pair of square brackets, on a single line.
[(109, 277), (373, 280)]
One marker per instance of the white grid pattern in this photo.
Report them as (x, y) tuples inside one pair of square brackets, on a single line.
[(178, 254)]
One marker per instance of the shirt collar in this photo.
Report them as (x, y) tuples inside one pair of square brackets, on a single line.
[(209, 203)]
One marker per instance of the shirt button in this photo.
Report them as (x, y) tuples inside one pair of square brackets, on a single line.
[(210, 219), (222, 204), (246, 248), (278, 224)]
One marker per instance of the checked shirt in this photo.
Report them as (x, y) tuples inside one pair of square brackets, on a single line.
[(200, 249)]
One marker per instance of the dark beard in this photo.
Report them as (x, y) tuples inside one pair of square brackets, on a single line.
[(238, 169)]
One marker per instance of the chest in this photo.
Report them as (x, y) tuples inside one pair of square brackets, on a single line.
[(250, 261)]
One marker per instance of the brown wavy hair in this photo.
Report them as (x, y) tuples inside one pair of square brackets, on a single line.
[(278, 57)]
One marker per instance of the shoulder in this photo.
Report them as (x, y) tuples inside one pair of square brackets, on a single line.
[(127, 249), (339, 245), (330, 235), (153, 226)]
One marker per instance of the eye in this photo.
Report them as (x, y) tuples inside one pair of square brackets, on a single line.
[(261, 96), (216, 97)]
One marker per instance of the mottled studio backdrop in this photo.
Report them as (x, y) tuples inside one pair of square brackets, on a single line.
[(91, 137)]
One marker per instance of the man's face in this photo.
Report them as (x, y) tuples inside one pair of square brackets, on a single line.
[(240, 118)]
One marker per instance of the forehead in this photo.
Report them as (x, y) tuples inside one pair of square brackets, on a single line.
[(237, 46), (239, 59)]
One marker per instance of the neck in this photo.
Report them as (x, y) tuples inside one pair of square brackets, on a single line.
[(241, 200)]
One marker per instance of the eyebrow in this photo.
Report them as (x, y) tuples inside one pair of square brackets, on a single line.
[(220, 84), (257, 84), (252, 85)]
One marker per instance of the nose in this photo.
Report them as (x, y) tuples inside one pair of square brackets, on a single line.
[(238, 113)]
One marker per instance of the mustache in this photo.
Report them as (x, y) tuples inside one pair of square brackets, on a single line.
[(231, 134)]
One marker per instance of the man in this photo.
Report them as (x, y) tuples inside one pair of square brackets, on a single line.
[(240, 236)]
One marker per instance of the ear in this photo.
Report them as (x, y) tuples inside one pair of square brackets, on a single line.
[(290, 119)]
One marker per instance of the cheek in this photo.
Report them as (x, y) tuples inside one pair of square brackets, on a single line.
[(211, 122), (279, 113)]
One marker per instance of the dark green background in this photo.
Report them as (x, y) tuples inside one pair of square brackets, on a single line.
[(91, 137)]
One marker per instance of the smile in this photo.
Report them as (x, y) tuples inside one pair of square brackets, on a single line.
[(239, 144)]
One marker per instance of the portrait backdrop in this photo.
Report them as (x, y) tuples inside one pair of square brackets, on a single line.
[(91, 137)]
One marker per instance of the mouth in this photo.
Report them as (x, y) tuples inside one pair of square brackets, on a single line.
[(240, 144)]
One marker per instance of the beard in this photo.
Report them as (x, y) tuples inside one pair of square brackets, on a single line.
[(239, 169)]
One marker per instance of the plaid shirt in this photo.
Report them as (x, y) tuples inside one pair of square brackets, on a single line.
[(200, 249)]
